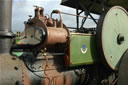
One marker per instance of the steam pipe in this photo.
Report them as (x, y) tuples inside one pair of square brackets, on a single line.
[(5, 25)]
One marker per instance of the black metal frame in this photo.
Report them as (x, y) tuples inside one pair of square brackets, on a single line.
[(86, 12)]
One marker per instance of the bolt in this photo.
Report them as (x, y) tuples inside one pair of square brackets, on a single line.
[(13, 58), (16, 68), (17, 83)]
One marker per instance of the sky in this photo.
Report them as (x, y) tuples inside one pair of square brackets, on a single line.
[(23, 8)]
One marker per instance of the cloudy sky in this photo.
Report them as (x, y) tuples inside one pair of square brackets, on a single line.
[(23, 8)]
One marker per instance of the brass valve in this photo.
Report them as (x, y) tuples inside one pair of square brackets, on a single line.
[(44, 51)]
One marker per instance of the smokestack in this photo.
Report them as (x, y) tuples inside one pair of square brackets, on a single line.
[(5, 25)]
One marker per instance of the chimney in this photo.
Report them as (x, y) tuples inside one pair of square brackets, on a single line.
[(6, 34)]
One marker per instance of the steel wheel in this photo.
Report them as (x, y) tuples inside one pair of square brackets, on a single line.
[(112, 36)]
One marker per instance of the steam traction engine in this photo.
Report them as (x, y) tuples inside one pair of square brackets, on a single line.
[(48, 53)]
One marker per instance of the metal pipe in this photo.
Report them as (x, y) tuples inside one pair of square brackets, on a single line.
[(5, 25), (73, 14)]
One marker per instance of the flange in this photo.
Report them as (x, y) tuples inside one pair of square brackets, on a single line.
[(112, 36)]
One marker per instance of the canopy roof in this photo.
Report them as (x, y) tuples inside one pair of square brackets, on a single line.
[(97, 6)]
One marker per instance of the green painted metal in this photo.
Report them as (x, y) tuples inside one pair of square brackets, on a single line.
[(114, 35), (18, 54), (86, 56), (17, 39), (96, 7)]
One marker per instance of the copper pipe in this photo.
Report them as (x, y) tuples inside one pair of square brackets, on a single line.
[(37, 13), (57, 11), (42, 12), (71, 14)]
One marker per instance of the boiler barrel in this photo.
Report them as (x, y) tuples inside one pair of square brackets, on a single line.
[(57, 35)]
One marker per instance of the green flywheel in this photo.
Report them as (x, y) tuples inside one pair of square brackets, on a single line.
[(112, 36)]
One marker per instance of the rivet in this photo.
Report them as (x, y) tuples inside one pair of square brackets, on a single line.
[(16, 68), (17, 83)]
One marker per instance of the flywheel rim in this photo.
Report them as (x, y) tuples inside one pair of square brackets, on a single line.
[(118, 37)]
